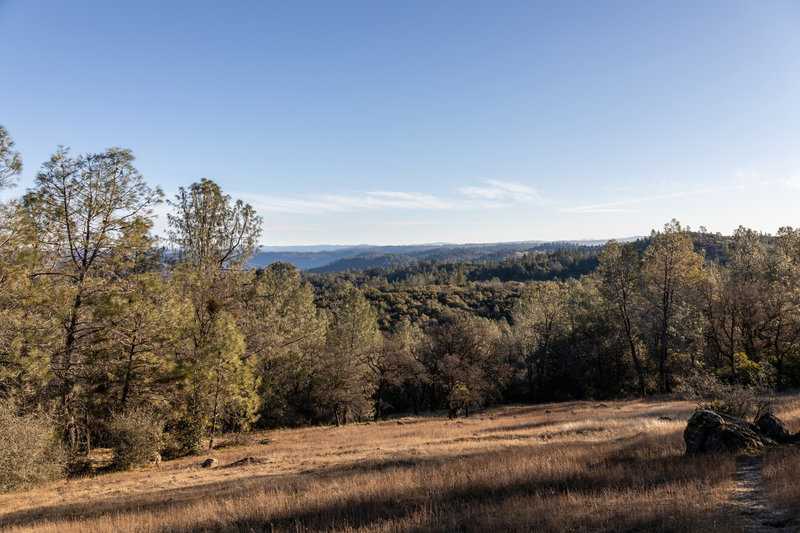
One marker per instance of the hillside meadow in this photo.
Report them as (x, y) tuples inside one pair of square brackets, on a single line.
[(576, 466)]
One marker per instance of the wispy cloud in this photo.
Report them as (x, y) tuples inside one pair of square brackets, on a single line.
[(412, 223), (403, 200), (793, 182), (490, 194), (618, 206), (626, 205), (320, 204), (290, 227), (503, 190), (600, 208)]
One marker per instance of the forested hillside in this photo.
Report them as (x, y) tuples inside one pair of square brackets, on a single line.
[(112, 337), (342, 258)]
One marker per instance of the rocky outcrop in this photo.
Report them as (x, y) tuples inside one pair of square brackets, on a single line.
[(773, 428), (708, 431)]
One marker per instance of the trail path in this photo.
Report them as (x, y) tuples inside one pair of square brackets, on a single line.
[(755, 510)]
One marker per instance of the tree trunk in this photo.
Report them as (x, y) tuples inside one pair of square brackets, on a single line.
[(216, 407), (128, 373)]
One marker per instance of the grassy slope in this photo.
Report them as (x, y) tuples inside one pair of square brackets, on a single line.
[(564, 467), (782, 465)]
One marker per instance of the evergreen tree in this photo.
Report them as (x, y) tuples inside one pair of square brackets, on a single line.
[(88, 216)]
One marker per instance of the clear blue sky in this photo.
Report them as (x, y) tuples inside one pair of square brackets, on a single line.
[(423, 121)]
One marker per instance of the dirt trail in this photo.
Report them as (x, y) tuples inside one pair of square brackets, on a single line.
[(755, 510)]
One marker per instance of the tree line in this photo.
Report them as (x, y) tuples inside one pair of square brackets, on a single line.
[(102, 324)]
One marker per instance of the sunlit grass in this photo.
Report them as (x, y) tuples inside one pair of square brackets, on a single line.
[(782, 465), (576, 466)]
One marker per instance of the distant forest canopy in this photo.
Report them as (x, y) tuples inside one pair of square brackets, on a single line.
[(104, 330), (360, 257)]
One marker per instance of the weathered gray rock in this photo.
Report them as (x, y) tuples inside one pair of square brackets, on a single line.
[(209, 463), (772, 427), (708, 431)]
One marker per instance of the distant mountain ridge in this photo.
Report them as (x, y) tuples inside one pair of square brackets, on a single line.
[(335, 258)]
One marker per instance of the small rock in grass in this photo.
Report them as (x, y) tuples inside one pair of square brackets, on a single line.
[(209, 463)]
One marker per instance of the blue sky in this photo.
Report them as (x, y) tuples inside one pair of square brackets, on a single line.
[(426, 121)]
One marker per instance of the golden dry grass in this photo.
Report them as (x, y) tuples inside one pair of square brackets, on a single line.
[(577, 466), (782, 465)]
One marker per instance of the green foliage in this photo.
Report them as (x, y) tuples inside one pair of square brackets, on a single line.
[(97, 319), (464, 361), (284, 332), (10, 160), (86, 218), (749, 372), (351, 340), (136, 438), (185, 434), (210, 231), (671, 274), (141, 317), (231, 394)]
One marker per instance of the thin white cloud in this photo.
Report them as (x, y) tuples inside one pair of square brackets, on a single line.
[(597, 209), (340, 203), (493, 194), (413, 223), (747, 180), (290, 227), (503, 190), (395, 199), (618, 206), (747, 175), (793, 182)]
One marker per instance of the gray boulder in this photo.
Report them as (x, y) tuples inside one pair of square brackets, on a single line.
[(708, 432), (772, 427)]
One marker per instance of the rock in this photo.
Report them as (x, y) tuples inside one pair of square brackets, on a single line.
[(209, 463), (773, 428), (708, 431)]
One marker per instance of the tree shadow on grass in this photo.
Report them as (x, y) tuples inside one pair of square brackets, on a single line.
[(624, 469), (464, 508)]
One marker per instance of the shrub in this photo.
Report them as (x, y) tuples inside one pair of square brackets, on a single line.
[(749, 372), (135, 438), (185, 435), (733, 399), (30, 451)]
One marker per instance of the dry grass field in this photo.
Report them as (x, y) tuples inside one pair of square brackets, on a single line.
[(782, 465), (578, 466)]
